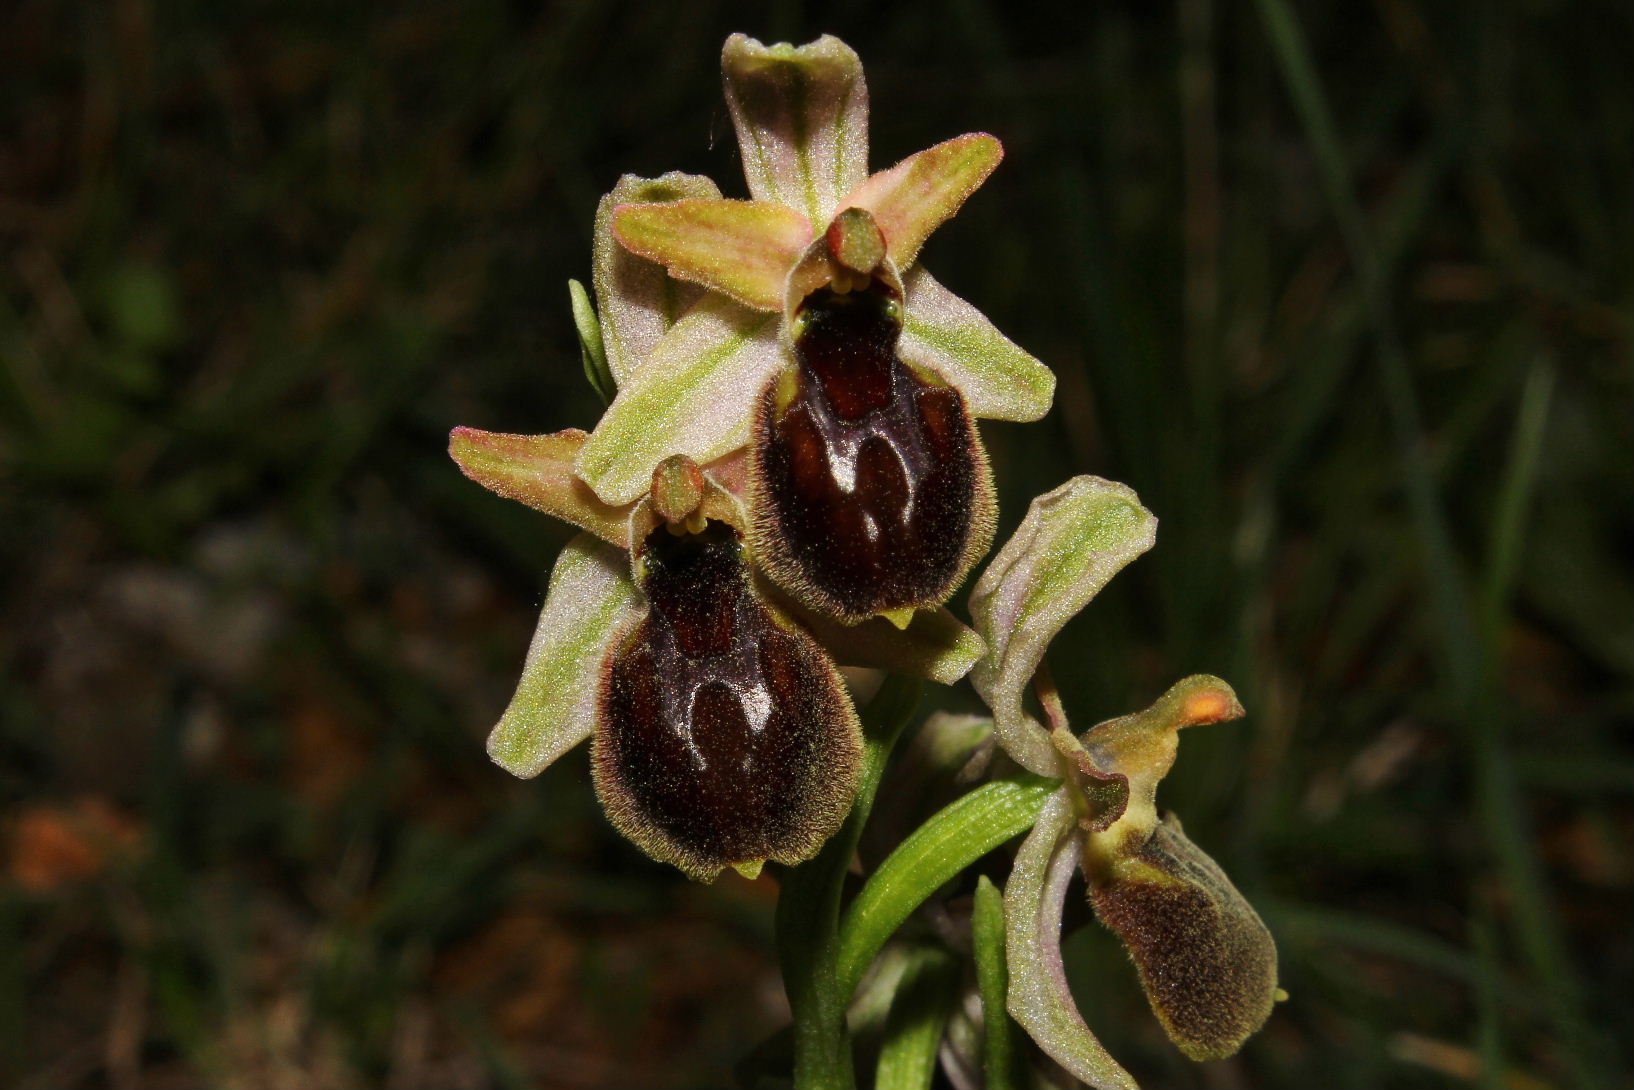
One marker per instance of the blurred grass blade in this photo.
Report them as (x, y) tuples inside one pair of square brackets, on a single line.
[(993, 980), (1498, 794), (1488, 1001), (919, 1015), (1499, 799), (1514, 501), (1446, 580), (948, 842), (1318, 928)]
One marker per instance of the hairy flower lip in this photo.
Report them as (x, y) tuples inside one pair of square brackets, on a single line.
[(724, 735), (800, 115)]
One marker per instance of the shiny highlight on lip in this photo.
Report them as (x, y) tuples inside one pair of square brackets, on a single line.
[(871, 491), (724, 736)]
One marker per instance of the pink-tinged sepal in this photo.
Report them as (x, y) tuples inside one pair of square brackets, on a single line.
[(1035, 898), (1072, 541), (922, 192), (537, 470), (739, 248), (944, 334), (693, 396), (591, 603)]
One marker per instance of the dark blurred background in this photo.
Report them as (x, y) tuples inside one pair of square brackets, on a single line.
[(1349, 304)]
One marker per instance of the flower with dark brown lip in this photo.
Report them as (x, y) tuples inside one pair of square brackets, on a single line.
[(722, 733), (1206, 961), (851, 377)]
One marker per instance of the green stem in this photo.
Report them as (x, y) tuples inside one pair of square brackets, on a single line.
[(808, 909)]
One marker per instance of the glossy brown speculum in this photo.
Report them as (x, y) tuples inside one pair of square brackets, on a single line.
[(725, 735), (871, 492)]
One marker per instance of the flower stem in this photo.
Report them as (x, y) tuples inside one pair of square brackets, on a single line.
[(808, 909)]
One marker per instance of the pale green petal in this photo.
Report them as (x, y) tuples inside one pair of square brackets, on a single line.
[(638, 301), (1071, 543), (801, 116), (998, 379), (1039, 999), (742, 248), (695, 395), (591, 601), (537, 470), (922, 192)]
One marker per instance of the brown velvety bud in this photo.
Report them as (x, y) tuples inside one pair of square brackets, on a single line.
[(870, 491), (724, 736), (1207, 963)]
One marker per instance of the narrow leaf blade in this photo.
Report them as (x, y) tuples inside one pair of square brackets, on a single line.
[(993, 980), (956, 836), (918, 1018)]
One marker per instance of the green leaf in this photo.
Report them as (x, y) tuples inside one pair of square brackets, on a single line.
[(948, 842), (945, 334), (592, 599), (1039, 998), (922, 192), (993, 980), (695, 395), (1072, 541), (919, 1016), (801, 116), (592, 353)]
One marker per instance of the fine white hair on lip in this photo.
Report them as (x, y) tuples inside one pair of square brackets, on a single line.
[(757, 707)]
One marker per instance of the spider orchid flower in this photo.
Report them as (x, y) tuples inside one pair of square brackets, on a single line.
[(1206, 961), (722, 733), (820, 346)]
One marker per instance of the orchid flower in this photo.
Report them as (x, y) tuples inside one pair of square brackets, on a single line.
[(847, 372), (1206, 961), (722, 732)]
